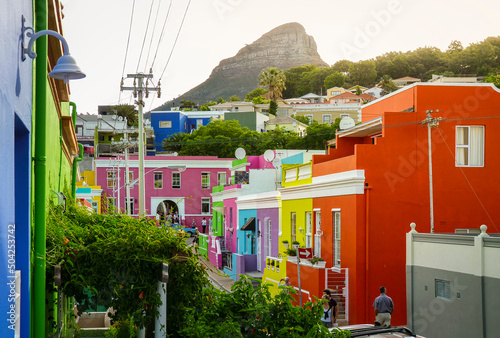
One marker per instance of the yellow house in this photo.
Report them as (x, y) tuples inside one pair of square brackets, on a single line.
[(288, 123), (88, 193), (331, 92)]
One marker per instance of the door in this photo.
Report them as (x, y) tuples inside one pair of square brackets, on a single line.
[(259, 241)]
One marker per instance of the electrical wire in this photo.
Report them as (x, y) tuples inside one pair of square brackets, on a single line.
[(128, 43), (176, 38), (152, 35), (161, 34), (145, 36)]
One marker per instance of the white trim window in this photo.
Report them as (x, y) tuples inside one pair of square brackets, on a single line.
[(205, 180), (293, 226), (327, 118), (130, 205), (158, 180), (221, 178), (308, 229), (269, 237), (205, 205), (111, 178), (176, 180), (469, 146), (310, 117), (336, 239), (317, 236), (165, 124)]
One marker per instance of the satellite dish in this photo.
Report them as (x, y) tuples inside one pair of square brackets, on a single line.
[(269, 155), (346, 122), (120, 118), (277, 163), (240, 153)]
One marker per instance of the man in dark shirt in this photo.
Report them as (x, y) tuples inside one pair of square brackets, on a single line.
[(383, 308)]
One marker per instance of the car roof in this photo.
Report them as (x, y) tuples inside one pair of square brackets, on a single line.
[(367, 330)]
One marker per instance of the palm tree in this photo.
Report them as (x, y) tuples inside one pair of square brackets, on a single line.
[(128, 111), (274, 79), (387, 85)]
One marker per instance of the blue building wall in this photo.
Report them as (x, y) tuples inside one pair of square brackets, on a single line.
[(15, 134), (178, 125)]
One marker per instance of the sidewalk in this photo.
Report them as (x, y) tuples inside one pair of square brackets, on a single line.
[(216, 276)]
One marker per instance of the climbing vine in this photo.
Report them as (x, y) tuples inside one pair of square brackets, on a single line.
[(114, 260)]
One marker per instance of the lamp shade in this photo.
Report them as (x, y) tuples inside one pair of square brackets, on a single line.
[(66, 69)]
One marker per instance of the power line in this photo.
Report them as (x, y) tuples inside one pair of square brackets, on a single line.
[(161, 34), (128, 42), (152, 35), (145, 35), (176, 38)]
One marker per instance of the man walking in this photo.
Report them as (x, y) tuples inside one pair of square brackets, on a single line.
[(383, 308), (204, 224)]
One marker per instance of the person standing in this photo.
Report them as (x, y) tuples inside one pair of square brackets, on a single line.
[(326, 318), (383, 308), (333, 304), (204, 224), (193, 224)]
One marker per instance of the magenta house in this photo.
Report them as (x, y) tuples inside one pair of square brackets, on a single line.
[(173, 184)]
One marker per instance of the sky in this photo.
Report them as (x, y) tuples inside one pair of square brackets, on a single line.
[(198, 34)]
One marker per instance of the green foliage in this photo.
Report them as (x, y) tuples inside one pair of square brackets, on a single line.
[(115, 261), (129, 112), (387, 85), (273, 108), (220, 100), (495, 79), (274, 80), (255, 93), (334, 80), (247, 312), (234, 98), (187, 104), (318, 133), (363, 73), (316, 259), (260, 100), (295, 83), (302, 118), (291, 252)]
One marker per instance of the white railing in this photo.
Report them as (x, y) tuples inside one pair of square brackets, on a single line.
[(337, 281)]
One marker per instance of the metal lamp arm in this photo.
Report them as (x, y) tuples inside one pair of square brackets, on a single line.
[(28, 50)]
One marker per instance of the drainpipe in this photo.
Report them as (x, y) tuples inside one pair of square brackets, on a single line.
[(77, 159), (40, 169), (75, 169)]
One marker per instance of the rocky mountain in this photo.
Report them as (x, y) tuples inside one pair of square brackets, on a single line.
[(283, 47)]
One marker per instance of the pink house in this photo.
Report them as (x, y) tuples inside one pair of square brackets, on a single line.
[(173, 184)]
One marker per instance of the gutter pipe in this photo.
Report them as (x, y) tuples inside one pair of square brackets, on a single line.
[(78, 159), (40, 170)]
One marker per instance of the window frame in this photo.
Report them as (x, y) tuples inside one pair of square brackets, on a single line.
[(130, 203), (165, 124), (444, 286), (204, 183), (174, 179), (469, 146), (337, 236), (293, 225), (205, 201), (318, 234), (219, 174), (326, 115), (155, 180), (112, 179), (308, 221)]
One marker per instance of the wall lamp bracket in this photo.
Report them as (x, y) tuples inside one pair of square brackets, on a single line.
[(66, 68)]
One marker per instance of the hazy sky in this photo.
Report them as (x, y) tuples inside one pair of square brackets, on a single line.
[(97, 32)]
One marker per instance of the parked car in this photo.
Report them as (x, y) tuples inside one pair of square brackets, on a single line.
[(369, 330), (190, 231)]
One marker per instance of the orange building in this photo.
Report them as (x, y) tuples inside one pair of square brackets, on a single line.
[(378, 178)]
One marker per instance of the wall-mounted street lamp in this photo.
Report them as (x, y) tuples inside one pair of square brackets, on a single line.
[(66, 68)]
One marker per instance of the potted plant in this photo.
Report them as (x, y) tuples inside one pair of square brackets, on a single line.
[(272, 264), (292, 255), (318, 260), (285, 244), (295, 244)]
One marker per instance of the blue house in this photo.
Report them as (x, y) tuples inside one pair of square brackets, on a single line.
[(167, 123)]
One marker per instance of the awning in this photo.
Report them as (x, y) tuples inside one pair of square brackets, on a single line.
[(249, 225)]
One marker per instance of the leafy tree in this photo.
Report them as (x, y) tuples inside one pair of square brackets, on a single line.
[(296, 83), (186, 104), (246, 312), (274, 79), (255, 93), (336, 79), (358, 91), (129, 112), (317, 78), (273, 108), (234, 98), (220, 100), (363, 73), (342, 66), (495, 79), (318, 133), (302, 118), (387, 85), (259, 100)]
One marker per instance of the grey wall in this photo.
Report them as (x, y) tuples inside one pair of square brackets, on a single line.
[(472, 310)]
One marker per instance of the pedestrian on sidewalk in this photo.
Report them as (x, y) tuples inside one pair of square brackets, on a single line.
[(383, 308), (333, 305), (326, 318), (204, 224)]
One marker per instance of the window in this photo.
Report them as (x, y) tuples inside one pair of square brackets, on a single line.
[(111, 177), (294, 226), (335, 92), (227, 260), (327, 118), (176, 180), (130, 177), (158, 180), (442, 289), (165, 124), (221, 178), (129, 204), (336, 239), (310, 117), (205, 205), (231, 217), (470, 146), (205, 180), (308, 230), (317, 236)]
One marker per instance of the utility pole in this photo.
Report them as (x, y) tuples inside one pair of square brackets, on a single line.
[(139, 87), (431, 122)]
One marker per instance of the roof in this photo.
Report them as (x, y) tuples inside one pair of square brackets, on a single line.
[(345, 95), (310, 96), (407, 78), (368, 97), (284, 120)]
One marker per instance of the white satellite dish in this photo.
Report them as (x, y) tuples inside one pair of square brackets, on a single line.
[(277, 163), (346, 122), (240, 153), (269, 155), (120, 118)]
